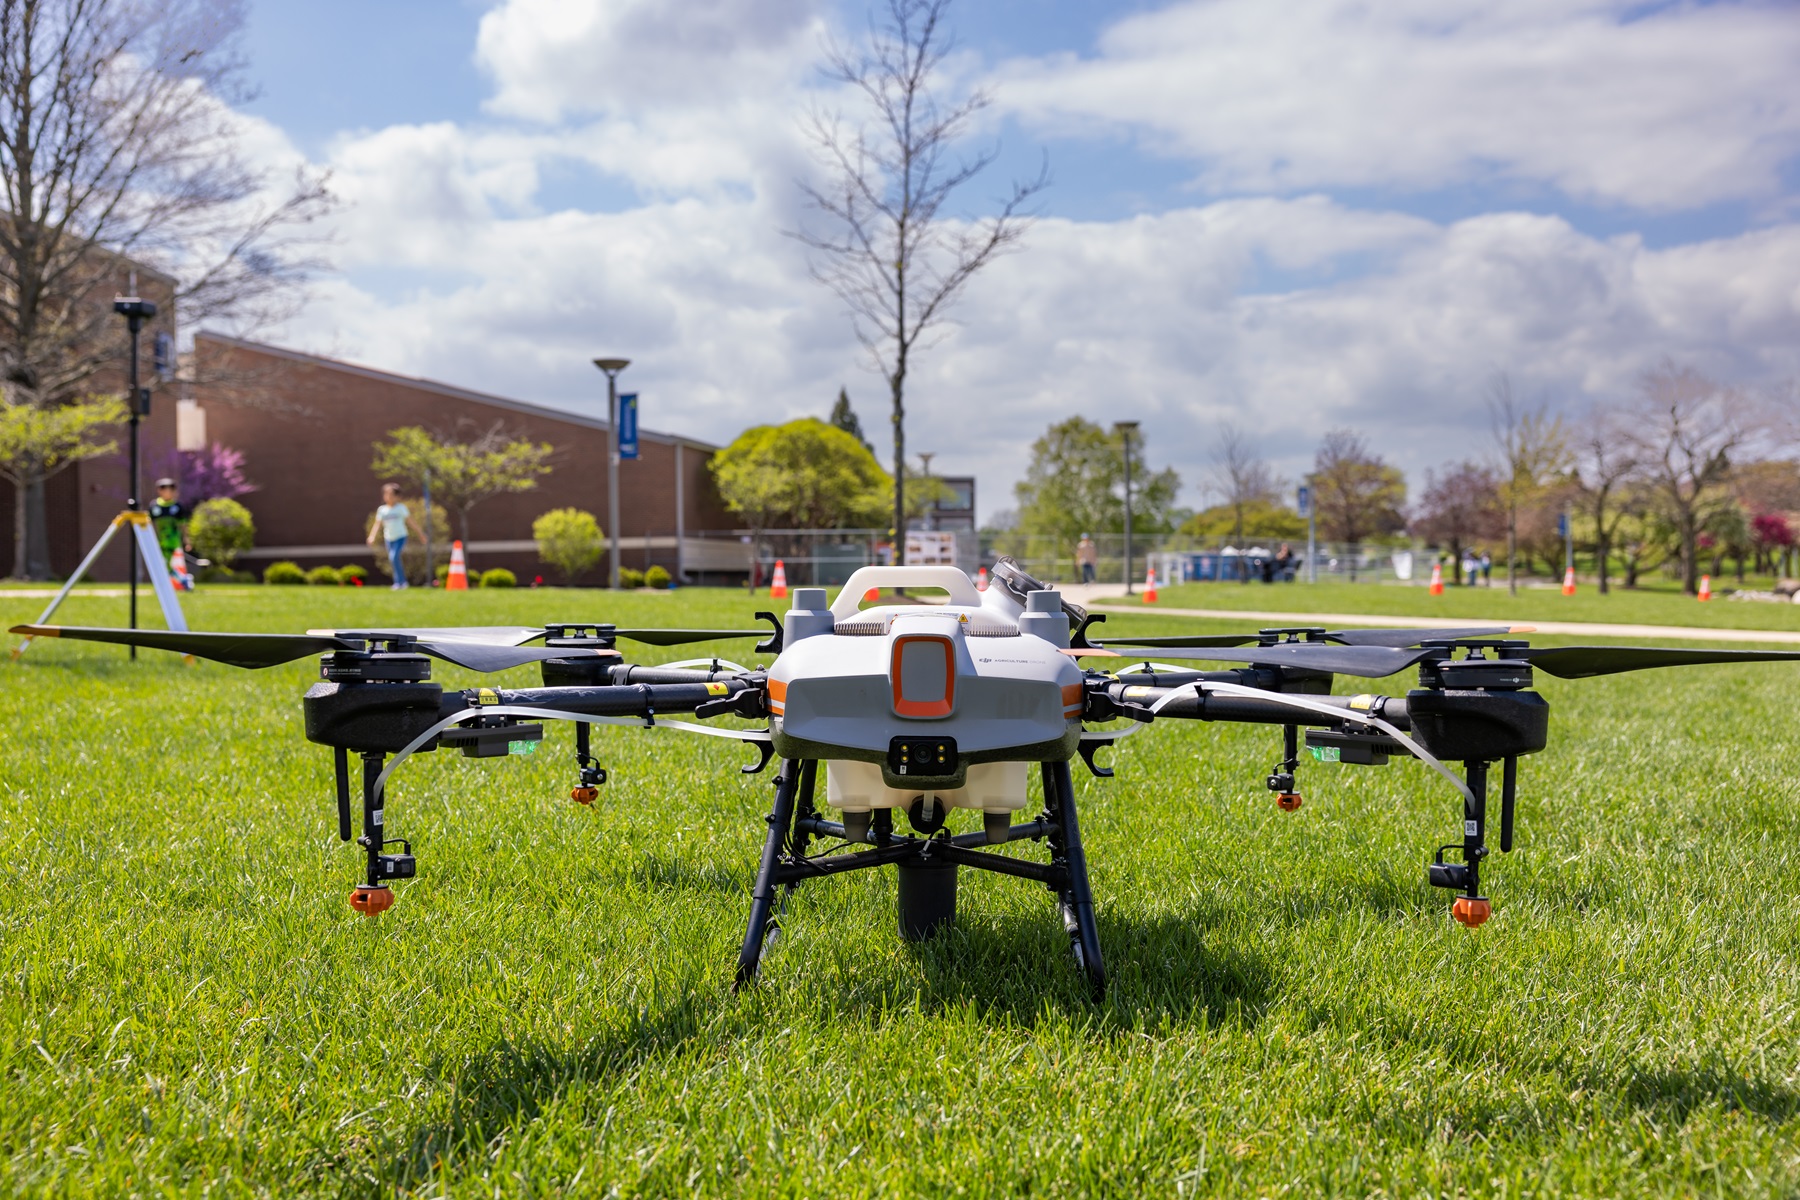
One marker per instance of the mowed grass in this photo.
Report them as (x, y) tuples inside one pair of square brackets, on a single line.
[(188, 1006), (1663, 606)]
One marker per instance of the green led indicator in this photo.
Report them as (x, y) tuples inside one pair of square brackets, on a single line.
[(1325, 753), (521, 747)]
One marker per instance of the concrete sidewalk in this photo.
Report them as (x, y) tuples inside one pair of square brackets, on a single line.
[(1252, 620)]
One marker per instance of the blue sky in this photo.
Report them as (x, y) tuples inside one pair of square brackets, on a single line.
[(1287, 216)]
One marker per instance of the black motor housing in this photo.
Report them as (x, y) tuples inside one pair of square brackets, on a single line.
[(1456, 724), (370, 717)]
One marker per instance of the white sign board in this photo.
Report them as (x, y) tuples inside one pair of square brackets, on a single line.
[(930, 548)]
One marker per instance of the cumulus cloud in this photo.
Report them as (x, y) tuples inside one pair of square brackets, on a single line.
[(1655, 107), (1287, 313)]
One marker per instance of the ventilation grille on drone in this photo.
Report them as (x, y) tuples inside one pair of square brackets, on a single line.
[(860, 628), (985, 629)]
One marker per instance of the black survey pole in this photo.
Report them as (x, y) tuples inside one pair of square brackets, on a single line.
[(135, 311)]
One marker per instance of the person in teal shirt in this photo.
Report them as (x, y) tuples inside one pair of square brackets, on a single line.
[(392, 521)]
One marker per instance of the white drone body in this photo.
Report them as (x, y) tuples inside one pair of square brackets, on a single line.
[(945, 704)]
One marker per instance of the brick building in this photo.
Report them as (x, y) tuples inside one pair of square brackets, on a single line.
[(306, 426)]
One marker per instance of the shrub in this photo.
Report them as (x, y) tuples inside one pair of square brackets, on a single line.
[(221, 530), (657, 577), (413, 557), (224, 575), (569, 539), (630, 577), (324, 577), (352, 575), (284, 572), (499, 577)]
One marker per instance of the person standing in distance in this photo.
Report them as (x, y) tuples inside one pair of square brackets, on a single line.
[(392, 520), (169, 517), (1086, 556)]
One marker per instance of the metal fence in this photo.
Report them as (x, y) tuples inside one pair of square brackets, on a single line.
[(826, 558)]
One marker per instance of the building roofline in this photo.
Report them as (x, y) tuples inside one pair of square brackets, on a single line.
[(443, 389)]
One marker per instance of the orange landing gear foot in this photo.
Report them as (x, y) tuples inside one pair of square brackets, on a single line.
[(1289, 801), (584, 795), (371, 901), (1471, 912)]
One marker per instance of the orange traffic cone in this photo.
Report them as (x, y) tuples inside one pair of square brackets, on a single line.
[(1437, 579), (778, 585), (458, 580), (981, 579), (1569, 582), (178, 572), (1150, 586), (872, 595), (1706, 587)]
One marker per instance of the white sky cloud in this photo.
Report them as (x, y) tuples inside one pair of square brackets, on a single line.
[(1288, 313), (1605, 100)]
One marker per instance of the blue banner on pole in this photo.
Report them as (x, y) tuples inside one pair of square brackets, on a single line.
[(1305, 501), (628, 417)]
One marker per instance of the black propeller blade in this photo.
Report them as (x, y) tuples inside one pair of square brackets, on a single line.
[(681, 637), (1370, 662), (499, 635), (1412, 637), (250, 650), (1585, 662), (1399, 638), (258, 650)]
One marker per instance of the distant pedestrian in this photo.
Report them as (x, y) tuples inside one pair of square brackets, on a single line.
[(1284, 563), (392, 520), (1487, 570), (169, 517), (1087, 557), (1471, 570)]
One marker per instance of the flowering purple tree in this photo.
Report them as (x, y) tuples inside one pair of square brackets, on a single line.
[(207, 474)]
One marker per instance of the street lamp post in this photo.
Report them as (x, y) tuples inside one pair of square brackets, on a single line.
[(612, 367), (925, 456), (1126, 431)]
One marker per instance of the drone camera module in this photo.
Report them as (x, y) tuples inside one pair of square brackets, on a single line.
[(922, 756)]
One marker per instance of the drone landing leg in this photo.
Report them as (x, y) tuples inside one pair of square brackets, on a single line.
[(762, 896), (805, 813), (1077, 899)]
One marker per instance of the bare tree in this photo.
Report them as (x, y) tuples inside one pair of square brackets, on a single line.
[(886, 244), (118, 148), (1606, 462), (1241, 475), (1534, 456), (1687, 430), (1457, 509), (1356, 493)]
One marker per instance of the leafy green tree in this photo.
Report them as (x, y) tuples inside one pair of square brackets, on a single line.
[(221, 529), (801, 475), (1248, 520), (569, 539), (1076, 484), (462, 473), (39, 442)]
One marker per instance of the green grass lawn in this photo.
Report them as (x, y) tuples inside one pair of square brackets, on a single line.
[(188, 1005), (1638, 607)]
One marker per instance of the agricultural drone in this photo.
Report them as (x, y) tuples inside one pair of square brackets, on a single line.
[(924, 709)]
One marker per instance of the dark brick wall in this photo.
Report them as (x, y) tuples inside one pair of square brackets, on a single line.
[(307, 427)]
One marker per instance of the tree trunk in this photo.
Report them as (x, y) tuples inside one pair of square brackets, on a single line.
[(1602, 551), (21, 568), (899, 391), (1690, 558), (1512, 550), (37, 532)]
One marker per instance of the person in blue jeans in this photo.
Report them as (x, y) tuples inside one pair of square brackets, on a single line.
[(392, 521)]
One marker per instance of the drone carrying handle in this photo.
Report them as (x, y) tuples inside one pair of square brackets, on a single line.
[(950, 579)]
